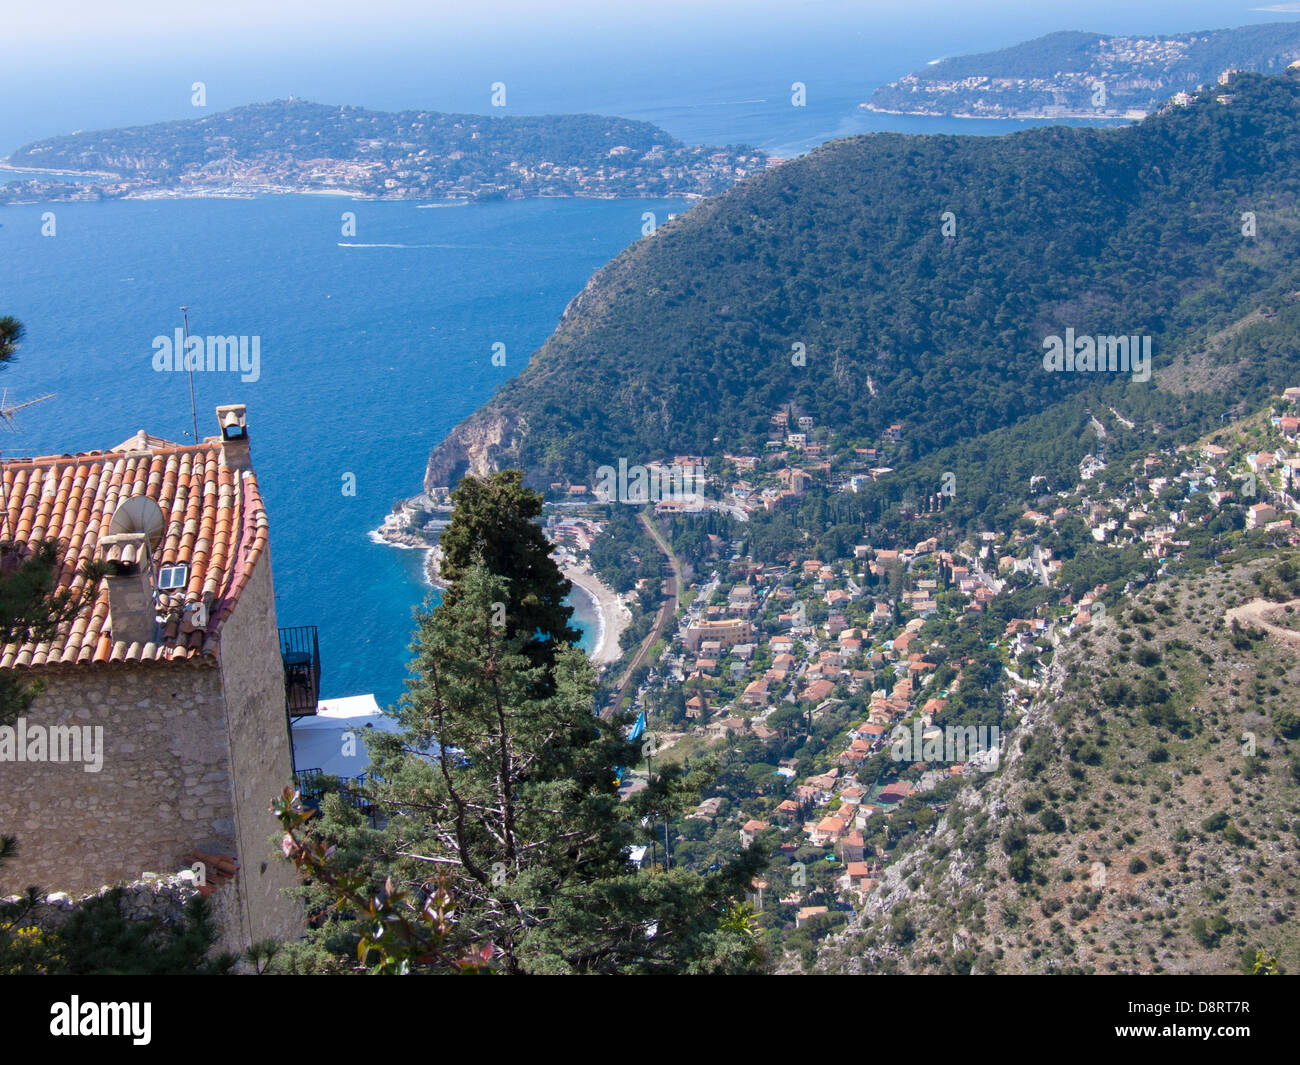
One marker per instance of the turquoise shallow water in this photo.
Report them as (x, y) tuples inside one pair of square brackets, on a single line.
[(368, 356)]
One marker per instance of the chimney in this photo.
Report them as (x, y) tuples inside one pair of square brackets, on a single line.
[(132, 616), (234, 437)]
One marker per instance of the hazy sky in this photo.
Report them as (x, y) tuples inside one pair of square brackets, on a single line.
[(140, 24)]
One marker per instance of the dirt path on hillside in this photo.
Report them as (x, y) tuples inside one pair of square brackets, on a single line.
[(1257, 613)]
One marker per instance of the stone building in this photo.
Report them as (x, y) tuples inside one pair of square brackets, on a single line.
[(161, 729), (727, 632)]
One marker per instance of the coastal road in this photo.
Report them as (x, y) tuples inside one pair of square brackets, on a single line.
[(667, 610)]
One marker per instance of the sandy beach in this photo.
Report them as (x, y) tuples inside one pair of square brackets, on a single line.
[(614, 616)]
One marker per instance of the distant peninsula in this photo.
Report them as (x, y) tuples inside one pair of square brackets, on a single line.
[(1087, 75), (295, 146)]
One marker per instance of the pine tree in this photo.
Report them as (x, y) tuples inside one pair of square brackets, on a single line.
[(495, 522), (32, 607), (11, 335), (522, 811), (517, 817)]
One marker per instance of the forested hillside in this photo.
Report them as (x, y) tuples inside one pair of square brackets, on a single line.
[(890, 279)]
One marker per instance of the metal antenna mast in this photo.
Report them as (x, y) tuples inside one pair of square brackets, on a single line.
[(7, 413), (194, 411)]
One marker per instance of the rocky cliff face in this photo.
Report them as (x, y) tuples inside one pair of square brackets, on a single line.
[(482, 444)]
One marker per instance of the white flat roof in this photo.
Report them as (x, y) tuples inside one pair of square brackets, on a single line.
[(333, 740)]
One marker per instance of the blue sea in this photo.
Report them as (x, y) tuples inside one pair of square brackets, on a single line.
[(371, 352)]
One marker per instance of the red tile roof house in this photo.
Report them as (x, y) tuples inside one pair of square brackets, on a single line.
[(787, 811), (182, 669), (851, 846), (825, 831), (807, 913), (857, 878), (895, 792)]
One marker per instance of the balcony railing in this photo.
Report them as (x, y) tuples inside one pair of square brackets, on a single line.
[(312, 784), (300, 652)]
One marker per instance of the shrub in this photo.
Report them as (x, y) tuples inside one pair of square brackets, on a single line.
[(1215, 822), (1146, 655), (1287, 723)]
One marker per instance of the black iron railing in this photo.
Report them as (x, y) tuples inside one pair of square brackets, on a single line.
[(300, 652), (314, 785), (311, 786)]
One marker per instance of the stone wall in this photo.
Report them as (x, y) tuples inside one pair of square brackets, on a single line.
[(193, 755), (163, 788), (253, 676), (151, 897)]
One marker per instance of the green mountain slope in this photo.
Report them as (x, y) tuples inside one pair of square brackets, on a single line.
[(690, 334), (1146, 815)]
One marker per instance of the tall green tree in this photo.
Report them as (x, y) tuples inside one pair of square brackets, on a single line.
[(520, 822), (495, 522), (32, 606), (502, 795), (11, 335)]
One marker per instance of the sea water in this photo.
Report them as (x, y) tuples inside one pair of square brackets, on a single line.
[(372, 347)]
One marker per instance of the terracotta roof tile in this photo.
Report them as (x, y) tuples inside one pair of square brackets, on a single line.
[(214, 522)]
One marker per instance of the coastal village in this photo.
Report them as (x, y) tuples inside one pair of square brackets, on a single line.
[(852, 655), (777, 607), (688, 172), (406, 156), (1119, 74)]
